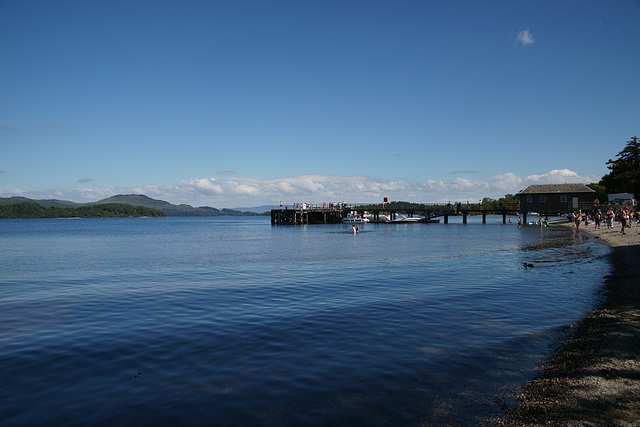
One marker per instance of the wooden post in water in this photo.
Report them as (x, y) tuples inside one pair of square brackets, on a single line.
[(484, 217), (464, 217)]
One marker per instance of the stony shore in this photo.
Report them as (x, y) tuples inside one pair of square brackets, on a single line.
[(594, 377)]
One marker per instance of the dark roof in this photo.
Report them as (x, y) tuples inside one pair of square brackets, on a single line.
[(557, 188)]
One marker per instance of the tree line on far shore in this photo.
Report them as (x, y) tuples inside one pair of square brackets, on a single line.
[(107, 210)]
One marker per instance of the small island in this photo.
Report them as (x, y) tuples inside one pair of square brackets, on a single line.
[(28, 210)]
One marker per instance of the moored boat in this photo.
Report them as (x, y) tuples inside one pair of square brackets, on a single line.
[(401, 219), (354, 218), (380, 217)]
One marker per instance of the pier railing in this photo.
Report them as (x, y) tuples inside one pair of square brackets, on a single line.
[(335, 213), (309, 214)]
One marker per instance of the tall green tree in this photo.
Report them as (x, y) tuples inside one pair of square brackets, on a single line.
[(624, 175)]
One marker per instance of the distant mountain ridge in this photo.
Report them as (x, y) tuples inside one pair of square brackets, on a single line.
[(258, 209), (47, 203), (133, 200)]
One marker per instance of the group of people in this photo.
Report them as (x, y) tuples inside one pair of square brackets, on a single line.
[(541, 222), (305, 206), (623, 215)]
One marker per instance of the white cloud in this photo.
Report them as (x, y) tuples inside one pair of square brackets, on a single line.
[(205, 185), (11, 192), (464, 184), (560, 176), (525, 38), (507, 182), (436, 186), (313, 188)]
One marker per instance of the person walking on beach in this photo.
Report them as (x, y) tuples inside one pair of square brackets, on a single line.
[(597, 217), (610, 218), (578, 219), (624, 215)]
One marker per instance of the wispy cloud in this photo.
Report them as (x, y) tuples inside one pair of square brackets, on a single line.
[(1, 171), (525, 38), (85, 180), (245, 191)]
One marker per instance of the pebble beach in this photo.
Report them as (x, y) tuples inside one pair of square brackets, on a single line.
[(593, 379)]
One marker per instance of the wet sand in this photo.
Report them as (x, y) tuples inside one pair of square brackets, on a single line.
[(594, 377)]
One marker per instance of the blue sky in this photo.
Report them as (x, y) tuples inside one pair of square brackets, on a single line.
[(244, 103)]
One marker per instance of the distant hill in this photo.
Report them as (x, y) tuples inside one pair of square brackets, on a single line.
[(259, 209), (134, 200), (30, 210), (47, 203), (169, 208)]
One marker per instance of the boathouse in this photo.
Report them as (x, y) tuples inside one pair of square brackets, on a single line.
[(556, 198)]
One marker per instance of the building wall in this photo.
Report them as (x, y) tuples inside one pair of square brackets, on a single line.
[(556, 202)]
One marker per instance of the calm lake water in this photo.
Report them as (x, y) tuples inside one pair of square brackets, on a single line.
[(232, 321)]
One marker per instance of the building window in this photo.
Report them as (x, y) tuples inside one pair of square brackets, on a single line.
[(543, 199), (529, 199), (563, 198)]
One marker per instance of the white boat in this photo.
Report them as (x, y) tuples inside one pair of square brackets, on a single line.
[(402, 218), (354, 218), (381, 217)]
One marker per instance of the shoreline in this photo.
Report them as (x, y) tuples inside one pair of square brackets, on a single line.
[(593, 378)]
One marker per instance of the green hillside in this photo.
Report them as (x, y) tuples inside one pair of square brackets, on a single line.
[(134, 200), (169, 208), (47, 203), (26, 210)]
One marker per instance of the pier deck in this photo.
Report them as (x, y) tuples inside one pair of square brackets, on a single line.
[(335, 215)]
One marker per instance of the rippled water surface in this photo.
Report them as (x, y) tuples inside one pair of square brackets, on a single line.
[(232, 321)]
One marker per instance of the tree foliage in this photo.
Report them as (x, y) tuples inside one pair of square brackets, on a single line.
[(107, 210), (624, 175), (601, 191)]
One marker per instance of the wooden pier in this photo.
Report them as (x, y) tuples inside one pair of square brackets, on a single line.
[(308, 216), (334, 215)]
